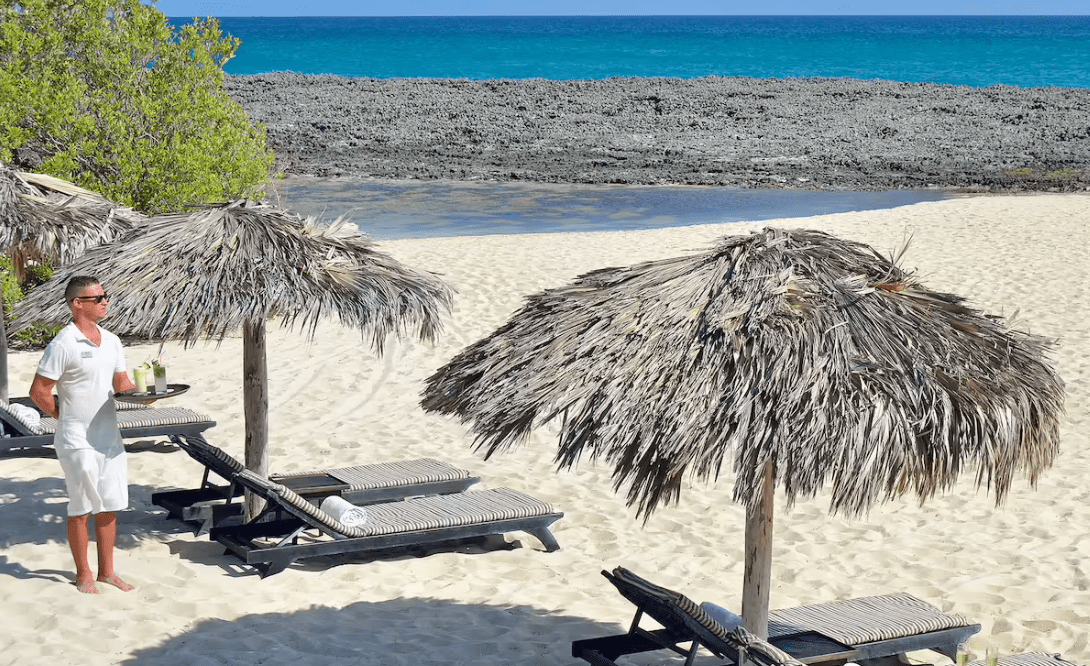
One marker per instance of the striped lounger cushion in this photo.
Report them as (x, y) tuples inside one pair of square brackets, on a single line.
[(865, 620), (18, 413), (139, 418), (391, 474), (676, 599), (456, 510), (128, 416), (422, 513)]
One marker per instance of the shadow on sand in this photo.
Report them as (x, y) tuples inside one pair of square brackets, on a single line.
[(409, 631)]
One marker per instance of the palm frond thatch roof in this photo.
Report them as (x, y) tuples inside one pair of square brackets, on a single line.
[(205, 274), (793, 346), (46, 217)]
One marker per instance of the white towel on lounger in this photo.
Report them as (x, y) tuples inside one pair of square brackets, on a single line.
[(344, 511), (721, 615), (28, 415)]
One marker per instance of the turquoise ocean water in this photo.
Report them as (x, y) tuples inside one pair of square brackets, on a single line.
[(971, 51), (1021, 51)]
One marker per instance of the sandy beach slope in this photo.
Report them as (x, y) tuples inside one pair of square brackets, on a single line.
[(1019, 570)]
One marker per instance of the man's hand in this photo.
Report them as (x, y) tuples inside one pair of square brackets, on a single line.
[(122, 383)]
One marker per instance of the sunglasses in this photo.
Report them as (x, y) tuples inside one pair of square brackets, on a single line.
[(96, 299)]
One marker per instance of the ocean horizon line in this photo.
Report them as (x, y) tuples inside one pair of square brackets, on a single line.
[(581, 16)]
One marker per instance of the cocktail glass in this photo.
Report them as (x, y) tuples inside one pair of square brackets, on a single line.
[(160, 379), (140, 378)]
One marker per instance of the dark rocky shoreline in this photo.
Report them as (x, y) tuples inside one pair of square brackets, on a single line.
[(768, 133)]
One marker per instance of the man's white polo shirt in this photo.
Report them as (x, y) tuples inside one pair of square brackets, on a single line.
[(84, 373)]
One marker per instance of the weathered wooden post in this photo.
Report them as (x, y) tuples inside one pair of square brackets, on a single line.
[(255, 396), (758, 546)]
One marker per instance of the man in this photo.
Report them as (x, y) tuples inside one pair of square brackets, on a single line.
[(86, 364)]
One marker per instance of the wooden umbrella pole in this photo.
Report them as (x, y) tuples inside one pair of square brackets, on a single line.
[(758, 576), (255, 391)]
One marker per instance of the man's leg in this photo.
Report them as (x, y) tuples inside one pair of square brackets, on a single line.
[(77, 542), (105, 535)]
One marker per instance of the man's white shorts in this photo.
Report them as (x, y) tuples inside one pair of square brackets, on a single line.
[(96, 482)]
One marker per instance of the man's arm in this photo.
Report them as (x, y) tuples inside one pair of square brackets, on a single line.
[(41, 392)]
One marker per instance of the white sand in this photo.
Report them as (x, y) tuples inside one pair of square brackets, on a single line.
[(1018, 570)]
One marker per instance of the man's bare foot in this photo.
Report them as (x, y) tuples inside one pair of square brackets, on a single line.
[(116, 581), (86, 585)]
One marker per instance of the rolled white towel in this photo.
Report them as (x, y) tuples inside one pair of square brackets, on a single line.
[(346, 512), (729, 620), (27, 415)]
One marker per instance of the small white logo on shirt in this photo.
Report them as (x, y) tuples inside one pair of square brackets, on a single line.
[(87, 354)]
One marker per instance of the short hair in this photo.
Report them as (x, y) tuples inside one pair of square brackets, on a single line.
[(76, 285)]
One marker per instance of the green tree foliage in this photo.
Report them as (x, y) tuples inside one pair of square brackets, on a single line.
[(111, 97), (10, 290), (38, 335)]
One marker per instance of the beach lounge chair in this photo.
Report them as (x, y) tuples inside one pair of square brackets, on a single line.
[(134, 420), (212, 504), (851, 630), (282, 533), (682, 622)]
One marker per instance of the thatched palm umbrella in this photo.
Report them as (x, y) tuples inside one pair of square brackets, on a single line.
[(49, 219), (236, 265), (803, 358)]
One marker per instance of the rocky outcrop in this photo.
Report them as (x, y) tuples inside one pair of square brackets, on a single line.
[(771, 133)]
